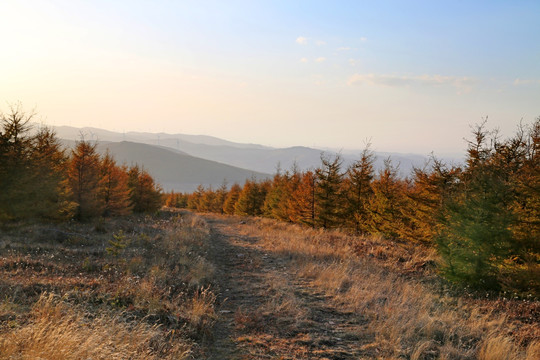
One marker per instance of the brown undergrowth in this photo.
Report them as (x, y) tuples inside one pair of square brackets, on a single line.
[(136, 287), (409, 311)]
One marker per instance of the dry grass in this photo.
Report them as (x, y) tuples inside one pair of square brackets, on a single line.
[(394, 286), (57, 330), (135, 288)]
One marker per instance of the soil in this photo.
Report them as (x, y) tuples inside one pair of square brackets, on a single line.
[(246, 279)]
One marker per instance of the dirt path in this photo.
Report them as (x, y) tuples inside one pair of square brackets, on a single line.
[(267, 311)]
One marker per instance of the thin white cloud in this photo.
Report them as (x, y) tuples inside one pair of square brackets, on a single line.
[(344, 48), (352, 62), (301, 40), (519, 82), (463, 83), (304, 60), (363, 39), (320, 59), (320, 43)]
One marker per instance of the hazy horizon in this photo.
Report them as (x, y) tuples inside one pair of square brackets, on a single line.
[(344, 151), (410, 76)]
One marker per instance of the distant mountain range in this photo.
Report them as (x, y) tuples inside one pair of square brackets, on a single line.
[(181, 162), (172, 169)]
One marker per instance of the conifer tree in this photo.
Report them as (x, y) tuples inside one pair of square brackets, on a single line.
[(328, 194), (50, 192), (387, 203), (231, 199), (275, 203), (358, 191), (172, 199), (84, 174), (194, 200), (145, 194), (114, 188), (476, 236), (15, 163), (301, 203), (207, 202), (431, 188), (251, 199), (176, 200), (521, 270), (221, 195)]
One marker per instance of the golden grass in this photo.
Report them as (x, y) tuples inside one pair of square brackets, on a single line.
[(145, 300), (200, 311), (392, 286), (58, 331)]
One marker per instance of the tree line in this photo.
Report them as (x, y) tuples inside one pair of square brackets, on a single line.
[(39, 179), (483, 217)]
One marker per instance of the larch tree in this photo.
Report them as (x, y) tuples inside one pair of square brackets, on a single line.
[(431, 188), (195, 199), (51, 192), (231, 199), (207, 202), (114, 189), (84, 176), (145, 194), (275, 204), (251, 199), (221, 195), (387, 203), (301, 203)]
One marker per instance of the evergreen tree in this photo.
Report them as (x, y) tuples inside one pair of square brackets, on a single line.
[(476, 238), (328, 193), (358, 191), (521, 270), (16, 173)]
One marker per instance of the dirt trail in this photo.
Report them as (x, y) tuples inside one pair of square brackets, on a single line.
[(267, 312)]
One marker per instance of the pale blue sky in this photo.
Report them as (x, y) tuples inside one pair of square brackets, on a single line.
[(410, 75)]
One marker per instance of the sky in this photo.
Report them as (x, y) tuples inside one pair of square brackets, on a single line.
[(408, 76)]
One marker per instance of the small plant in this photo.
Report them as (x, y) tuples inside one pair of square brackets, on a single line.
[(88, 265), (117, 244)]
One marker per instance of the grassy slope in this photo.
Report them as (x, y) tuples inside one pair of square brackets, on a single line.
[(127, 288), (141, 287), (393, 287)]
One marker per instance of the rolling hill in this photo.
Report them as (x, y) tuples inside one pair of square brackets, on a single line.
[(254, 157), (173, 169)]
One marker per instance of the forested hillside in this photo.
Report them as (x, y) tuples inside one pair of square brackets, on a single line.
[(483, 217), (40, 180)]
